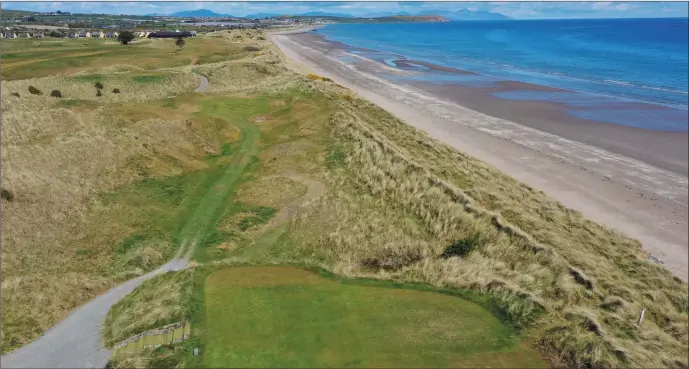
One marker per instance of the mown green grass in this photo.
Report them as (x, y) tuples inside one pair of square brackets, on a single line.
[(288, 317)]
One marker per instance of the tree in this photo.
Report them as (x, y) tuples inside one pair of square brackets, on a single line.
[(125, 37), (179, 42)]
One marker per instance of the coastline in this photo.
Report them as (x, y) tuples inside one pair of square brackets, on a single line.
[(642, 200)]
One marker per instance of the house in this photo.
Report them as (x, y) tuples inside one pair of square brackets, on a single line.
[(168, 34), (112, 35), (144, 34), (24, 35), (10, 35), (84, 34), (38, 35), (98, 34), (71, 35)]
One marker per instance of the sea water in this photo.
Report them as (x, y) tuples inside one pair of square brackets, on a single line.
[(628, 60)]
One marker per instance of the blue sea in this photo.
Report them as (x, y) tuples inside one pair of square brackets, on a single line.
[(599, 61)]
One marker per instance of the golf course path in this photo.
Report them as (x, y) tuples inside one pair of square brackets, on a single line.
[(203, 83), (75, 342)]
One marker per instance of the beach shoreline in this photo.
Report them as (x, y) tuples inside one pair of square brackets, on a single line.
[(633, 196)]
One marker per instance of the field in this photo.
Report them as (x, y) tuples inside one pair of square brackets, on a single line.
[(269, 167)]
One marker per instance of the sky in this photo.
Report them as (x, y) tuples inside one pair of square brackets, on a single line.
[(516, 10)]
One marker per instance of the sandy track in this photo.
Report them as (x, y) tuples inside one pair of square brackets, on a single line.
[(645, 202), (314, 190)]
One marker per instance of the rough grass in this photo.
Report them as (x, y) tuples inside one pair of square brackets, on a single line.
[(101, 192), (101, 189), (84, 55), (166, 298), (522, 249)]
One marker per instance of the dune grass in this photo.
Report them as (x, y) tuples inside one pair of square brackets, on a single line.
[(125, 174), (101, 189)]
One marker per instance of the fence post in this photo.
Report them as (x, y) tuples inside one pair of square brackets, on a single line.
[(641, 319)]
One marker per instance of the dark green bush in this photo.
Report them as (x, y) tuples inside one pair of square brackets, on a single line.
[(15, 94), (116, 90), (99, 85), (6, 195), (56, 93), (98, 93), (34, 91), (461, 247)]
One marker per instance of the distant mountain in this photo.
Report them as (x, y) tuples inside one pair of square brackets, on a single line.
[(459, 15), (466, 14), (261, 15), (309, 14), (198, 13), (324, 14)]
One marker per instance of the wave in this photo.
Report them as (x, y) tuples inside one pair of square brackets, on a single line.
[(653, 88)]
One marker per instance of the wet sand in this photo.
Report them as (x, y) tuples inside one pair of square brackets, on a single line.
[(630, 179)]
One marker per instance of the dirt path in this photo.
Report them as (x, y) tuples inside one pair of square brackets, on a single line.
[(314, 190), (75, 342)]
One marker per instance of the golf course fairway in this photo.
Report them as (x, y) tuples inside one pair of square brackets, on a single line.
[(289, 317)]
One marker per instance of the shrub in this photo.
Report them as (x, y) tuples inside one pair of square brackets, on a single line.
[(6, 195), (34, 91), (261, 38), (327, 79), (56, 93), (125, 37), (99, 85), (179, 42), (116, 90), (98, 93), (251, 48), (460, 248), (15, 94)]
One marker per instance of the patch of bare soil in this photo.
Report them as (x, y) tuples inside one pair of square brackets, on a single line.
[(261, 118), (314, 190)]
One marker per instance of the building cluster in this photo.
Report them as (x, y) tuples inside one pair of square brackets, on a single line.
[(98, 34)]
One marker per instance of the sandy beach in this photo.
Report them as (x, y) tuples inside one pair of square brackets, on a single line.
[(632, 180)]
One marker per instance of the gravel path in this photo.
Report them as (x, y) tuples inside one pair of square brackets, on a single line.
[(203, 83), (75, 342)]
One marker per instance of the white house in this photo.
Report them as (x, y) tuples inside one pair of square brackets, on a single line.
[(84, 34), (112, 35), (98, 34), (38, 35), (24, 35)]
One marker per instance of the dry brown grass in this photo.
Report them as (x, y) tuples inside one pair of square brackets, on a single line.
[(420, 196), (59, 156), (396, 200), (166, 298)]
